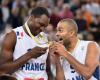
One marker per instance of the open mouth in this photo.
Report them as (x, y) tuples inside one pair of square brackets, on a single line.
[(60, 40)]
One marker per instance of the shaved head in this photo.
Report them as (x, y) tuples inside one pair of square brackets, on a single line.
[(71, 24)]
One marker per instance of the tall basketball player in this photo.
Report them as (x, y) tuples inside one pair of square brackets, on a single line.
[(24, 51), (78, 58)]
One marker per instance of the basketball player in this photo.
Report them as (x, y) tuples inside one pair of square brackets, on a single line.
[(78, 58), (24, 51)]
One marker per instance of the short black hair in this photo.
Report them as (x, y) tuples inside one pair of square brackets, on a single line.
[(38, 11)]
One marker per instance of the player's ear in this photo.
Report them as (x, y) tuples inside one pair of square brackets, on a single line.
[(72, 32), (31, 17)]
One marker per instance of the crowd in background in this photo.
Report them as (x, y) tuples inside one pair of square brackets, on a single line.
[(86, 13)]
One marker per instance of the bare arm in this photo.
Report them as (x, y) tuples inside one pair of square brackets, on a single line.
[(59, 70), (48, 68), (7, 65)]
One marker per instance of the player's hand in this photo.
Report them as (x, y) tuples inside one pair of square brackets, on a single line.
[(55, 57), (58, 48), (37, 51)]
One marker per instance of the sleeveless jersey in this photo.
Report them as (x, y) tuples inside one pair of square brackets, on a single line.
[(35, 68), (80, 55)]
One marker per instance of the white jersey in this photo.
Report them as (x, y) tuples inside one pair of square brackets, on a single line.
[(34, 68), (79, 54)]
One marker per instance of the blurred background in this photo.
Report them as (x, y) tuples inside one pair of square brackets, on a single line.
[(86, 13)]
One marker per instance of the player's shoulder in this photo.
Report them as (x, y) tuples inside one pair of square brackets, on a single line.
[(93, 45), (11, 34), (9, 41), (90, 42), (10, 38)]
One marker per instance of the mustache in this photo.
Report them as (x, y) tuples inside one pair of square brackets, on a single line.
[(54, 38)]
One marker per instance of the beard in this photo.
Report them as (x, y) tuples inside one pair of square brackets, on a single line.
[(38, 31), (66, 43)]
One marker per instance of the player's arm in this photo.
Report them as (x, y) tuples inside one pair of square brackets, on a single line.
[(48, 68), (7, 64), (59, 70), (91, 62)]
